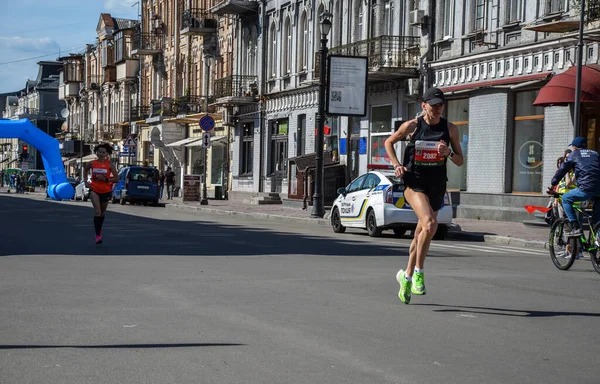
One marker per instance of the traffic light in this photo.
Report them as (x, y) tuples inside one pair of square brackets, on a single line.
[(24, 155)]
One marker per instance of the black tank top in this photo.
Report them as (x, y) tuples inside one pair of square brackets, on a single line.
[(421, 157)]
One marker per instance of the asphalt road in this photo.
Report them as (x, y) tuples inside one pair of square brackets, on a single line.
[(181, 297)]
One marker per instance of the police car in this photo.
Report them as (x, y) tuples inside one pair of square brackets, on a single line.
[(375, 201)]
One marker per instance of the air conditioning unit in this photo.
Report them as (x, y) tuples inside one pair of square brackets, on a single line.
[(412, 87), (416, 17)]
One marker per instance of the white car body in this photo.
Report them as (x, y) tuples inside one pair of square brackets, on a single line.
[(82, 192), (366, 195)]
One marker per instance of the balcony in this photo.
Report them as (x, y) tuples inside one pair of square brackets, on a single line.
[(128, 70), (120, 132), (147, 44), (68, 90), (26, 112), (140, 113), (236, 90), (191, 104), (196, 21), (389, 57), (234, 7), (110, 74)]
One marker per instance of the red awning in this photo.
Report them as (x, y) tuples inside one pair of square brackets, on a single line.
[(560, 90)]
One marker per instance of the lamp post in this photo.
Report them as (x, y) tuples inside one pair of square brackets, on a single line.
[(577, 106), (318, 208)]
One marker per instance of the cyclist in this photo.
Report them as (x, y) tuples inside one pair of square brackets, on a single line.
[(586, 164)]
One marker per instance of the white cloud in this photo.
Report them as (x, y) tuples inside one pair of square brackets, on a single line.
[(23, 44)]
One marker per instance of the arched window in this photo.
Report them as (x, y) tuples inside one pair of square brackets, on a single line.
[(252, 50), (272, 68), (303, 40), (287, 47)]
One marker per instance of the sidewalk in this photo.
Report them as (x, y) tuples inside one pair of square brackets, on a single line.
[(499, 232)]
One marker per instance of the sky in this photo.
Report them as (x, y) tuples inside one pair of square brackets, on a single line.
[(36, 30)]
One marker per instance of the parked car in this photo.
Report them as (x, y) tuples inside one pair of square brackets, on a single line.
[(137, 185), (82, 192), (375, 201)]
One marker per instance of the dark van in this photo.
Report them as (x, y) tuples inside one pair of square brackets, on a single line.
[(137, 184)]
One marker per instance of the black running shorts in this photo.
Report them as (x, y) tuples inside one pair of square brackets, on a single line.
[(104, 197), (434, 191)]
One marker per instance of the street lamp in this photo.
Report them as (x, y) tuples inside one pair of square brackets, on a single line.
[(318, 209), (577, 106)]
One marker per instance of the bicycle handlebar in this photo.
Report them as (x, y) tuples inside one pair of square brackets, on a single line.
[(553, 193)]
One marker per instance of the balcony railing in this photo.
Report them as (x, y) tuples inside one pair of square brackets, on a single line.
[(147, 44), (197, 21), (236, 86), (592, 11), (384, 51), (192, 104), (140, 113), (27, 111)]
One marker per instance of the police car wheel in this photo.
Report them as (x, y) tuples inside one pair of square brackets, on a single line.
[(336, 222), (372, 229)]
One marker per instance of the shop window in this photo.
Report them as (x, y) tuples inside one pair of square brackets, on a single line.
[(527, 145), (381, 129), (301, 135), (247, 150), (457, 112), (217, 164), (278, 146)]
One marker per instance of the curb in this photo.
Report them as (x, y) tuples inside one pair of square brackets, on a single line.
[(454, 233), (267, 216), (496, 239)]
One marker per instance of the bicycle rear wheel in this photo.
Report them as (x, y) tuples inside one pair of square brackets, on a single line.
[(562, 248), (594, 254)]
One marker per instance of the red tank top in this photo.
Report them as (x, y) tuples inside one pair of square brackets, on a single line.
[(99, 168)]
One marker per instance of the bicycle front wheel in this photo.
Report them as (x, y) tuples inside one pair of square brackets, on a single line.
[(562, 248), (595, 243)]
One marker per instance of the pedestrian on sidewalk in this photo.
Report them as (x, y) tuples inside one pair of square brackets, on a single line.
[(161, 179), (433, 140), (103, 172), (170, 178)]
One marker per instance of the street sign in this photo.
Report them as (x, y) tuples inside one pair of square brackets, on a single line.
[(130, 142), (125, 154), (207, 123), (206, 140), (24, 166)]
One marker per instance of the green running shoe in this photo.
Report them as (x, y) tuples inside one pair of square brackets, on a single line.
[(418, 286), (405, 286)]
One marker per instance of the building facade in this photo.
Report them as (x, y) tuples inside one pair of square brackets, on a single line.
[(492, 58)]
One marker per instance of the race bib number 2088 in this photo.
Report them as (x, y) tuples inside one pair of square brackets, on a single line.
[(426, 154)]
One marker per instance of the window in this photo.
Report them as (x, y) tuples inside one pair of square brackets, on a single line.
[(480, 14), (300, 135), (448, 17), (287, 47), (303, 44), (278, 146), (457, 112), (388, 18), (273, 53), (356, 184), (527, 147), (247, 150), (514, 11), (217, 164), (371, 181), (381, 129), (554, 6)]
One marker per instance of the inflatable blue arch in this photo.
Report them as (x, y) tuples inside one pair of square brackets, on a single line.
[(58, 185)]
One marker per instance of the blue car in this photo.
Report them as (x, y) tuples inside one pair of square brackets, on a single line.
[(137, 185)]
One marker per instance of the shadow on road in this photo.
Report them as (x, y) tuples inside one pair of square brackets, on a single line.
[(123, 346), (38, 227), (505, 311)]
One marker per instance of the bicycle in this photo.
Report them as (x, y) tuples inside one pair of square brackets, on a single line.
[(569, 247)]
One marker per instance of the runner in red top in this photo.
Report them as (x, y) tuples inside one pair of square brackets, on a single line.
[(103, 174)]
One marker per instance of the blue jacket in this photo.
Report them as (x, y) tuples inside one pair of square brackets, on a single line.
[(586, 164)]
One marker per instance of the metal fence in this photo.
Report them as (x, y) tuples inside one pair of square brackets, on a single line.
[(384, 51), (236, 86)]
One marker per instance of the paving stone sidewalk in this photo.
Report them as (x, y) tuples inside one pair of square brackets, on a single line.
[(508, 233)]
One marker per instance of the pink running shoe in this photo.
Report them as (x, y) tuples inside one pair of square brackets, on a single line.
[(99, 239)]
